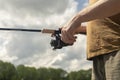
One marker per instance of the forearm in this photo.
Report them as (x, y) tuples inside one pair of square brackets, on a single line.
[(81, 30), (100, 9)]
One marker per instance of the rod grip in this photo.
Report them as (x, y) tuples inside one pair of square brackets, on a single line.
[(48, 31)]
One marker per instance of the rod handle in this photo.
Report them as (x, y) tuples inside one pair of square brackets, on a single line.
[(48, 31)]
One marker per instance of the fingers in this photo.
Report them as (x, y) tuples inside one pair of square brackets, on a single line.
[(67, 36)]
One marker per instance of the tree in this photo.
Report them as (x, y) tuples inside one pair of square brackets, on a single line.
[(27, 73), (21, 72), (84, 75), (51, 74), (80, 75), (72, 75), (7, 71), (43, 74), (57, 74)]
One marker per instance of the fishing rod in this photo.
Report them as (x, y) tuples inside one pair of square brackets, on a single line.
[(15, 29), (56, 43)]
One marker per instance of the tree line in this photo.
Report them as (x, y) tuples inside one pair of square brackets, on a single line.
[(10, 72)]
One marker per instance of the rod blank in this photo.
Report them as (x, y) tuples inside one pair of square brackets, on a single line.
[(14, 29)]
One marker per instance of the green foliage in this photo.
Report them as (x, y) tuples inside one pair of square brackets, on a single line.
[(27, 73), (7, 71), (50, 74), (80, 75), (43, 74), (21, 72), (56, 74)]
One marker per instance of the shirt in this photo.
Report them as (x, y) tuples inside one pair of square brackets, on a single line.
[(103, 35)]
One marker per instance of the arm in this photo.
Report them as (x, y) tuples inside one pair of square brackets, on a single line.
[(100, 9), (81, 30)]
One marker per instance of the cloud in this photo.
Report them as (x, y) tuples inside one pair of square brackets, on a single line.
[(33, 49), (35, 7), (74, 57)]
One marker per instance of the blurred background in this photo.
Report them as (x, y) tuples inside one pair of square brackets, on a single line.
[(33, 49)]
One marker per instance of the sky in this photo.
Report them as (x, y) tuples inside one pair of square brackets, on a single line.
[(33, 49)]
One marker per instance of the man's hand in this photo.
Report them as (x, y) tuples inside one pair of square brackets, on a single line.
[(68, 35)]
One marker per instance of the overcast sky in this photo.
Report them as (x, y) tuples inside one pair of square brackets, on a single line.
[(33, 49)]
